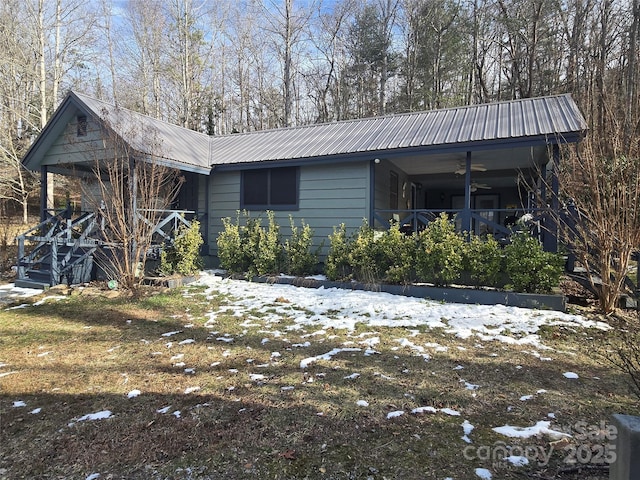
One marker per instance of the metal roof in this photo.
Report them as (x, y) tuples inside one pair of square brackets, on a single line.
[(509, 122), (523, 122), (151, 136)]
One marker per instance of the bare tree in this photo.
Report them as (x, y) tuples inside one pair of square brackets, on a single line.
[(632, 104), (144, 58), (285, 24), (325, 76), (601, 184), (19, 121), (129, 190)]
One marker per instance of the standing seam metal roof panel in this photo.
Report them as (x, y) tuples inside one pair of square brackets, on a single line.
[(466, 127), (452, 133), (390, 136), (490, 125), (374, 138), (151, 136), (527, 110), (413, 130), (479, 122), (316, 142), (355, 143), (333, 140), (466, 122), (554, 115), (517, 127), (560, 114), (433, 123)]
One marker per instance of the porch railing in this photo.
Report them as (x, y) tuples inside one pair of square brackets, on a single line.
[(60, 243), (52, 249), (167, 222), (499, 223)]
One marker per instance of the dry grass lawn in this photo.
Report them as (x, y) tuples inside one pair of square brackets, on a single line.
[(223, 402)]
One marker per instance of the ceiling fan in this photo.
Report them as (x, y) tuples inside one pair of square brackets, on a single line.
[(479, 186), (475, 167)]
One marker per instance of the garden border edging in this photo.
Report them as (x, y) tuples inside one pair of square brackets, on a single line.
[(439, 294)]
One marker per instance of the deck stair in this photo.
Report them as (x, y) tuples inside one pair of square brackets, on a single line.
[(61, 249), (58, 250)]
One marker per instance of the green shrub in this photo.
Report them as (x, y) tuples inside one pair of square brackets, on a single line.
[(299, 257), (251, 236), (364, 256), (439, 252), (529, 267), (183, 255), (396, 254), (232, 252), (337, 263), (370, 256), (268, 248), (256, 250), (483, 260)]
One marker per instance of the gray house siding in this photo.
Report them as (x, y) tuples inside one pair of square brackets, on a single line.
[(69, 148), (224, 201), (328, 195)]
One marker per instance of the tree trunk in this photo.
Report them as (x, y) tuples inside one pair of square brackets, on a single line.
[(631, 101), (288, 33)]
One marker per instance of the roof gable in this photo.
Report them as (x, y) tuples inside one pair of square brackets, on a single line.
[(172, 145)]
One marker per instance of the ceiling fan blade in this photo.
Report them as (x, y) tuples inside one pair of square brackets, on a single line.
[(475, 167)]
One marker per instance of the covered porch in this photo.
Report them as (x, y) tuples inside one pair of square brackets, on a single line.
[(78, 242), (487, 189), (130, 183)]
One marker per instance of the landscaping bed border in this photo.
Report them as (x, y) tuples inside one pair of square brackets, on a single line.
[(450, 295)]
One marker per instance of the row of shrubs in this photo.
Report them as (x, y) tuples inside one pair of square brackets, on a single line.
[(245, 246), (438, 255)]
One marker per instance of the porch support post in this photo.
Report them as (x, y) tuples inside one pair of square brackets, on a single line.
[(372, 193), (466, 212), (551, 234), (207, 181), (44, 193), (555, 183), (542, 200)]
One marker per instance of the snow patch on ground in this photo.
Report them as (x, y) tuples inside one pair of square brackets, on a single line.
[(333, 308), (326, 356), (92, 417), (483, 473), (540, 428)]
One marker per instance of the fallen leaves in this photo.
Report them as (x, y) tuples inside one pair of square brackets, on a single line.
[(288, 454)]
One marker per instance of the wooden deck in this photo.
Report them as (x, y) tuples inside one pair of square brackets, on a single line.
[(61, 248)]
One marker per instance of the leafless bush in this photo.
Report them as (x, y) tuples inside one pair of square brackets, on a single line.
[(602, 225), (623, 350), (129, 189)]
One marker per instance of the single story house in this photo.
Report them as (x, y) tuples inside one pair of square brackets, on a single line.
[(487, 164)]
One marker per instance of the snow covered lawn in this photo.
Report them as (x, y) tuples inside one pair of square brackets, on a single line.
[(231, 379)]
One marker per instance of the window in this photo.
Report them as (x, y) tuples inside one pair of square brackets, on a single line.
[(270, 189), (82, 125)]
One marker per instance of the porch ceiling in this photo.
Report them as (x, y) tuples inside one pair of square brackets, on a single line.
[(513, 159)]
